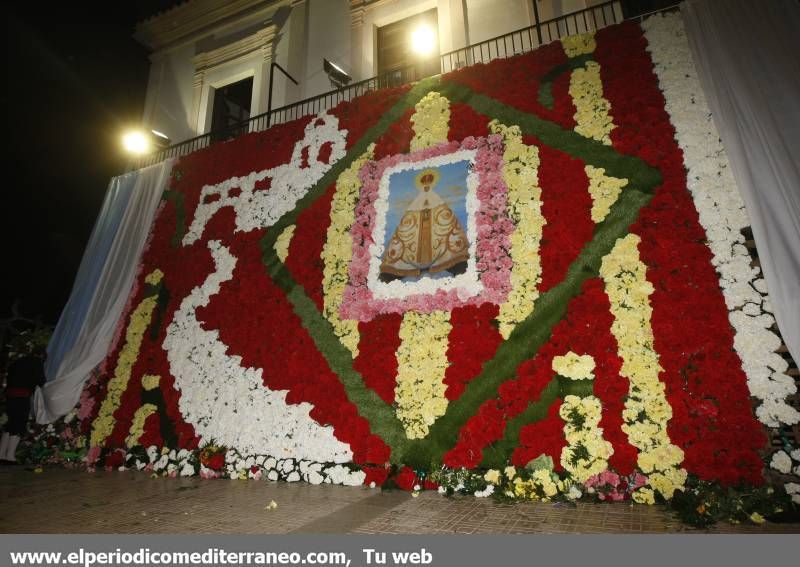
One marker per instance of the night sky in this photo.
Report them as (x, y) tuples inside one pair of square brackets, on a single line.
[(75, 80)]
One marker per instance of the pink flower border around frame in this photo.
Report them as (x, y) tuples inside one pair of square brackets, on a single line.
[(493, 228)]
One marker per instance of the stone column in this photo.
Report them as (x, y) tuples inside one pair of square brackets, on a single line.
[(357, 12), (261, 78), (195, 121)]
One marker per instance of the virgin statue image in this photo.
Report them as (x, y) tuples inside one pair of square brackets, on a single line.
[(429, 237)]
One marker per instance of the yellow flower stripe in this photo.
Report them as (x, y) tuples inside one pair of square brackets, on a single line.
[(150, 381), (647, 411), (604, 190), (137, 426), (338, 251), (580, 44), (140, 319), (283, 241), (521, 175), (422, 354), (430, 121), (594, 121), (421, 364), (586, 452), (592, 111)]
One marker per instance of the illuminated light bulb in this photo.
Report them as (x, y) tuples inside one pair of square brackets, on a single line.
[(136, 142), (423, 40)]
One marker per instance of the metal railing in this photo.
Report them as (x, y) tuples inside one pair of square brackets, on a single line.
[(286, 113), (502, 46), (533, 37)]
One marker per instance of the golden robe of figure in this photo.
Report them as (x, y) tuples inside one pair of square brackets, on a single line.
[(429, 237)]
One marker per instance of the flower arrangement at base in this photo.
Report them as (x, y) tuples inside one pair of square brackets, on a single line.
[(62, 442), (212, 459)]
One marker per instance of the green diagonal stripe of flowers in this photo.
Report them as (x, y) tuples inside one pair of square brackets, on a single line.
[(381, 416), (528, 336)]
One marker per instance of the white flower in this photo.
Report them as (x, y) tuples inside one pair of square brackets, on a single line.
[(722, 214), (290, 182), (152, 453), (248, 417), (781, 462), (793, 490)]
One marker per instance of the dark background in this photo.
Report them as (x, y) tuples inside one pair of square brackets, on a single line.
[(75, 79)]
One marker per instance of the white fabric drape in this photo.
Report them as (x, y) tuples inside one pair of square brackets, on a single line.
[(60, 394), (748, 59)]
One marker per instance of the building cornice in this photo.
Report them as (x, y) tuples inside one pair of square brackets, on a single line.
[(196, 18), (258, 41)]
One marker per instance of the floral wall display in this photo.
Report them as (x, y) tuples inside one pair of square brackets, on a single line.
[(525, 278)]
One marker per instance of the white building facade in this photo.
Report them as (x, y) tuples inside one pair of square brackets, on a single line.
[(211, 61)]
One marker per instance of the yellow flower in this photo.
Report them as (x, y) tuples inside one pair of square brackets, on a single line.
[(338, 251), (139, 321), (521, 175), (644, 496), (580, 44), (430, 121), (154, 277), (283, 241), (571, 365), (647, 410), (137, 425), (592, 111), (150, 381), (421, 366), (492, 476), (510, 472), (757, 518), (604, 191)]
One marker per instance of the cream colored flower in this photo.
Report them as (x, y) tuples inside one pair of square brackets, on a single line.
[(521, 175), (492, 476), (283, 241), (647, 410), (338, 251), (592, 111), (571, 365), (580, 44)]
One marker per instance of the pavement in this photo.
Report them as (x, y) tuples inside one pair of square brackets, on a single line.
[(59, 500)]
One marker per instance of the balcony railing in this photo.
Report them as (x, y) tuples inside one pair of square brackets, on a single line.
[(502, 46)]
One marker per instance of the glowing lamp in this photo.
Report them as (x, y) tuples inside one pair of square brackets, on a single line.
[(136, 142), (423, 40)]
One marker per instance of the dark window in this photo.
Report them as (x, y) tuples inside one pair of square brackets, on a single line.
[(231, 108), (396, 59)]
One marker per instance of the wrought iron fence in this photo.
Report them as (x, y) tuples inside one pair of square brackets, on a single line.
[(532, 37), (506, 45)]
